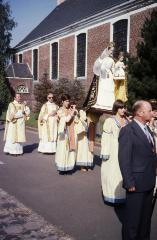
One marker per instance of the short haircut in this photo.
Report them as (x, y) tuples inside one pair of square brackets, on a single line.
[(16, 93), (49, 93), (117, 104), (65, 97), (137, 106)]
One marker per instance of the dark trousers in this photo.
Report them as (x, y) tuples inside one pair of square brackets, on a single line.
[(137, 220)]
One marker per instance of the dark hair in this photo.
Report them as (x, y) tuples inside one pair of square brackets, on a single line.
[(117, 104), (49, 93), (15, 93), (65, 97), (153, 103)]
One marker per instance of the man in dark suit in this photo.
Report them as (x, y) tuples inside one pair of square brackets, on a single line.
[(138, 163)]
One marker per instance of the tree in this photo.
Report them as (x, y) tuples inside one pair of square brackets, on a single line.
[(5, 91), (73, 88), (59, 87), (142, 77), (6, 25), (41, 90)]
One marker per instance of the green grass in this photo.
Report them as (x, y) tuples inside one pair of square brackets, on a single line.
[(32, 122), (3, 116)]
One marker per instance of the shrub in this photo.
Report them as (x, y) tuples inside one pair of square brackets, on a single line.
[(63, 86)]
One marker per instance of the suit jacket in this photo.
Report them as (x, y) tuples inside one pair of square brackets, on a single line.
[(137, 158)]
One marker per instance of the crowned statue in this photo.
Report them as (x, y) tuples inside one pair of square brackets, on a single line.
[(109, 82)]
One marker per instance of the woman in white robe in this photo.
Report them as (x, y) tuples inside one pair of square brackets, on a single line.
[(84, 157), (47, 126), (66, 143), (111, 179), (153, 127)]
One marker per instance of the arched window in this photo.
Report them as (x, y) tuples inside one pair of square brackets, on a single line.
[(20, 58), (81, 54), (22, 89), (120, 29)]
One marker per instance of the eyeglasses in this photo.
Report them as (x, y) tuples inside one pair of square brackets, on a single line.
[(50, 97)]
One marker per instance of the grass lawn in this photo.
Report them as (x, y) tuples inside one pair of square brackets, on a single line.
[(32, 122), (2, 117)]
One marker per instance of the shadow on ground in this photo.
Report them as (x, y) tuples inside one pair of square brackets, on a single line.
[(97, 160), (30, 148)]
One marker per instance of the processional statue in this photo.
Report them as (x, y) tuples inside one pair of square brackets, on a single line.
[(109, 81)]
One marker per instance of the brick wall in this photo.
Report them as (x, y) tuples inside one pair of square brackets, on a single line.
[(44, 60), (98, 39), (136, 22), (16, 57), (66, 58), (15, 82), (27, 58)]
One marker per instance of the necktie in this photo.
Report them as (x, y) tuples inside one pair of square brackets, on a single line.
[(148, 135)]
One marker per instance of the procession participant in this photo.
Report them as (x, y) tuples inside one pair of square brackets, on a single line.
[(14, 135), (138, 162), (47, 126), (111, 178), (84, 157), (153, 127), (66, 142)]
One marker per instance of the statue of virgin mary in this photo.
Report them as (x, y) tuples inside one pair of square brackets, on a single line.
[(101, 93)]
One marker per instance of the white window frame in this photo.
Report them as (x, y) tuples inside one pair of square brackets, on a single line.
[(24, 87), (113, 21), (50, 72), (18, 60), (35, 48), (75, 55)]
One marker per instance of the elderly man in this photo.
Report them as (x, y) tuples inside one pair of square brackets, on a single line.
[(14, 135), (47, 126), (138, 162)]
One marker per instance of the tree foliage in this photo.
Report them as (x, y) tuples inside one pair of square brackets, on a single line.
[(142, 77), (59, 87), (6, 25)]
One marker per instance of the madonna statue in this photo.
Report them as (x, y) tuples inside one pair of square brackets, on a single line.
[(101, 94)]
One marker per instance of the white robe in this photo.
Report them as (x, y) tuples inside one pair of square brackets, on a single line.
[(111, 178), (47, 127), (64, 159), (84, 156), (15, 128)]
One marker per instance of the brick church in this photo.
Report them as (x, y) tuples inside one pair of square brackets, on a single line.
[(68, 41)]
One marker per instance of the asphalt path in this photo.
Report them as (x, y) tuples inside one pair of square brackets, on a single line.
[(71, 202)]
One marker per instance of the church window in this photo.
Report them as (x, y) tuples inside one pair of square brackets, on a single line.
[(81, 55)]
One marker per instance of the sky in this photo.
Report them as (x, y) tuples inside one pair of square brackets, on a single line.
[(28, 14)]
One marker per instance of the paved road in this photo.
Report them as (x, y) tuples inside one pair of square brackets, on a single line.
[(71, 202)]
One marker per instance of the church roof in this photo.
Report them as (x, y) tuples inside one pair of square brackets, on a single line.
[(70, 12), (18, 70)]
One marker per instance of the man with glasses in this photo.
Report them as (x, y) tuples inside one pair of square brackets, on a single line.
[(47, 126)]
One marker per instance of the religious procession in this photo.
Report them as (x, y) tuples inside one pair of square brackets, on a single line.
[(78, 120), (128, 140)]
